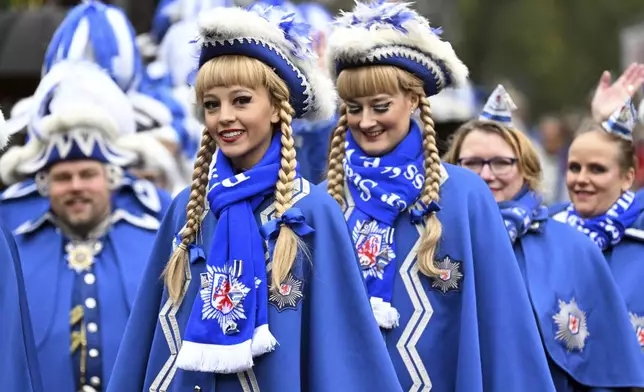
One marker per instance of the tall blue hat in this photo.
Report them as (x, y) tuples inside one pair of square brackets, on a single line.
[(100, 33), (391, 33), (622, 122), (499, 107), (276, 38), (81, 116)]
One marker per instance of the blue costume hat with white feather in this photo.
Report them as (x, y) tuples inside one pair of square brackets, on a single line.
[(81, 114), (99, 33), (391, 33), (277, 39)]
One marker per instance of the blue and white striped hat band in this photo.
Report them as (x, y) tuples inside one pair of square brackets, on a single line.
[(623, 121), (391, 33), (499, 107)]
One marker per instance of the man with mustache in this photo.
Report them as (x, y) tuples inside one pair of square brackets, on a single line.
[(87, 232)]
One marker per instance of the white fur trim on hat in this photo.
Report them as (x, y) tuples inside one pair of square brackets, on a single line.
[(236, 24), (21, 161), (352, 42)]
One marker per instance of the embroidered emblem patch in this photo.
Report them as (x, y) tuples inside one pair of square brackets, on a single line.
[(638, 326), (449, 277), (80, 255), (572, 328), (289, 295), (223, 297), (372, 245)]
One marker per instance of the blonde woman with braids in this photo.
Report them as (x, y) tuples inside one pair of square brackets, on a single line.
[(441, 276), (582, 318), (262, 277)]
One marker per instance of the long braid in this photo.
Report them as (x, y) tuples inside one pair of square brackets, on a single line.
[(174, 272), (287, 242), (335, 175), (430, 192)]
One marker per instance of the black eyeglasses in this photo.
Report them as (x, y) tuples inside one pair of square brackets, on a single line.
[(499, 165)]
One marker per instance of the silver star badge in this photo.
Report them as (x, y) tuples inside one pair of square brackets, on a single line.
[(572, 327)]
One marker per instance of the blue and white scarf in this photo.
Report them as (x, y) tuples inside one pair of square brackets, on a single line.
[(228, 325), (605, 230), (382, 187), (521, 213)]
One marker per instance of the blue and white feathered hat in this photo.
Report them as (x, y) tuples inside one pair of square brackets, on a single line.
[(622, 122), (276, 38), (499, 107), (100, 33), (391, 33), (80, 116)]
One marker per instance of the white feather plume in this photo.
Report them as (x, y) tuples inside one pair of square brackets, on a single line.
[(390, 24)]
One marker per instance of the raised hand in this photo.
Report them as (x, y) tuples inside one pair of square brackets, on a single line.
[(609, 97)]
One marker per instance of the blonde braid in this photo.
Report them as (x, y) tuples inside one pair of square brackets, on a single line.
[(287, 242), (335, 175), (430, 192), (174, 272)]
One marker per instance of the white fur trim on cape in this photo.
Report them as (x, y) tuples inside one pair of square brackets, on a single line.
[(355, 43), (233, 23)]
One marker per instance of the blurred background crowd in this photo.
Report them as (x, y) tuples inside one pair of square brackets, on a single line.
[(548, 54)]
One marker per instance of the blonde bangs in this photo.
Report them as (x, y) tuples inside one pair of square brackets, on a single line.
[(376, 79), (368, 81), (232, 70)]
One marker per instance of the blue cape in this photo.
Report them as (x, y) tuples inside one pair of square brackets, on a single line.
[(328, 340), (473, 329), (561, 264), (19, 370), (625, 263)]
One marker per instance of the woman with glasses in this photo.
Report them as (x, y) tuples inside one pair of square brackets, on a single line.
[(583, 322)]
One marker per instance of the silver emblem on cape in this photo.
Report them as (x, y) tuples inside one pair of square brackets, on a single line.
[(638, 326), (449, 277), (373, 248), (80, 255), (572, 328), (288, 295)]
